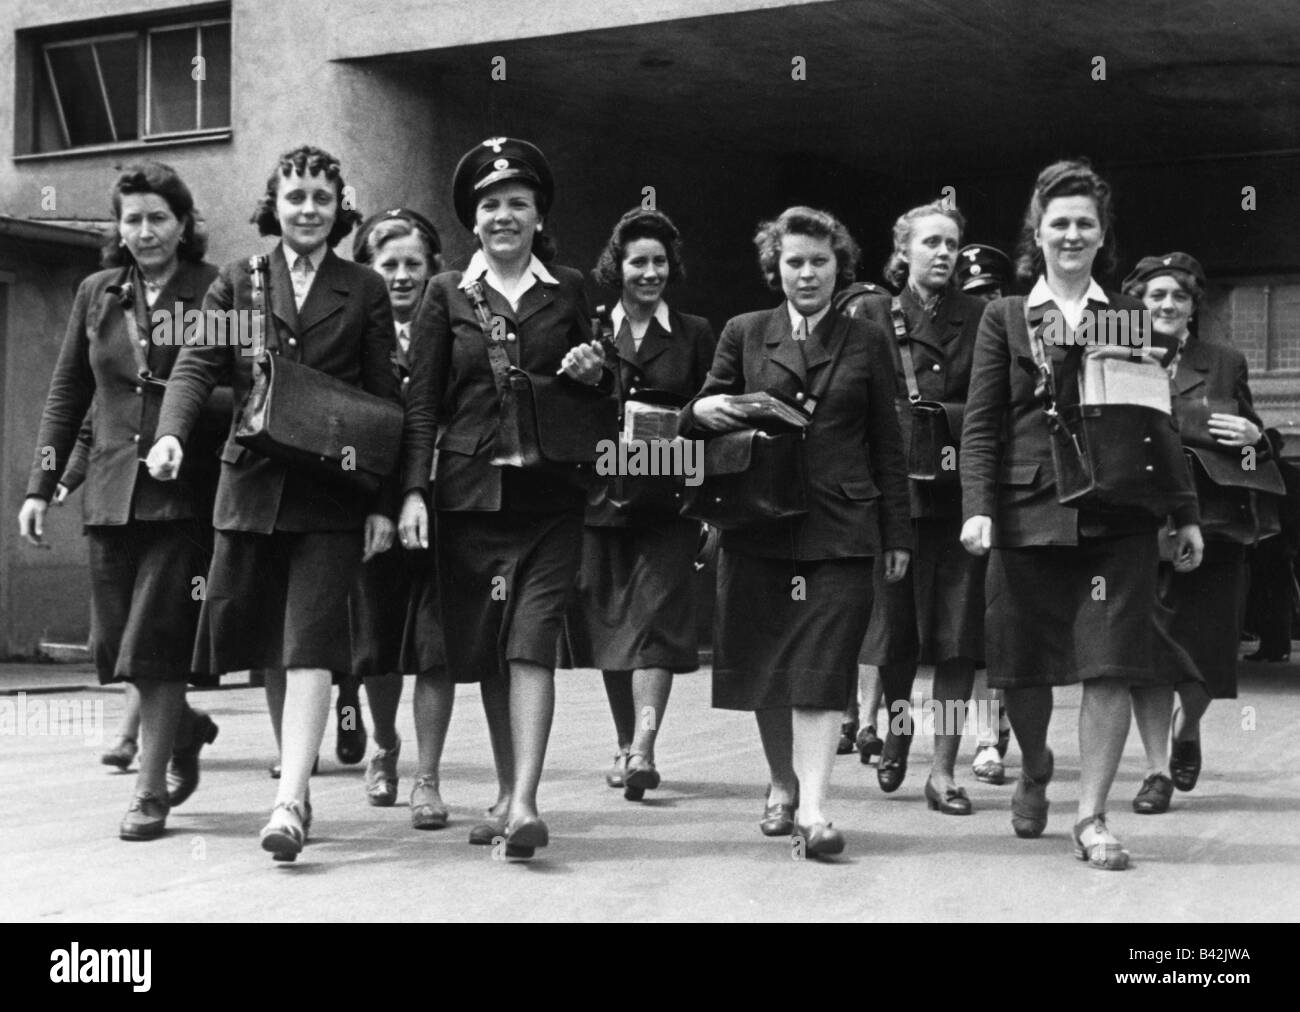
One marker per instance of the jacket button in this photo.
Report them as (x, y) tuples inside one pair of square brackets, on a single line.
[(144, 343), (1146, 439), (139, 390), (135, 438), (799, 396), (936, 367), (293, 342), (1150, 467), (510, 337)]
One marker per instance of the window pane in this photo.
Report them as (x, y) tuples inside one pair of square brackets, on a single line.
[(117, 62), (79, 91), (216, 86), (49, 136), (173, 95)]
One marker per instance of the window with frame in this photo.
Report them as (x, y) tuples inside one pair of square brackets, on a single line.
[(154, 83), (1260, 317)]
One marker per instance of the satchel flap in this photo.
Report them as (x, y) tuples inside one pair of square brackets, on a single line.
[(860, 489), (1194, 420), (731, 452), (572, 417), (458, 442), (1226, 468), (1018, 474), (321, 415)]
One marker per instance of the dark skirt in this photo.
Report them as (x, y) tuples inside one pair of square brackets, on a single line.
[(781, 641), (393, 609), (1207, 608), (146, 584), (1060, 614), (279, 600), (504, 580), (635, 601), (936, 612)]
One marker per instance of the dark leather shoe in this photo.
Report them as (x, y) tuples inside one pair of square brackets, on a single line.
[(121, 755), (381, 776), (778, 819), (525, 835), (350, 744), (639, 776), (848, 737), (869, 745), (146, 819), (1029, 804), (1153, 798), (183, 769), (1185, 764), (820, 840), (892, 768), (953, 802), (486, 832)]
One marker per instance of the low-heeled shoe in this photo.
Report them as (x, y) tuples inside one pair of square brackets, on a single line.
[(183, 769), (1153, 798), (820, 839), (146, 819), (891, 771), (869, 745), (848, 737), (122, 754), (1185, 764), (778, 820), (953, 802)]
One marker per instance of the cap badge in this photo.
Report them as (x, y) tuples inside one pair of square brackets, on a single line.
[(975, 269), (500, 164), (1166, 261), (495, 143)]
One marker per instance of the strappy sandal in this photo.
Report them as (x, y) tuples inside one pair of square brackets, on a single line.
[(427, 808), (641, 776), (1029, 804), (987, 766), (284, 838), (614, 778), (1104, 851)]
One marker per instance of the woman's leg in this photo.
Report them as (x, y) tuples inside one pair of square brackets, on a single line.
[(622, 707), (384, 694), (161, 704), (496, 708), (435, 696), (953, 679), (274, 681), (532, 707), (650, 690), (1103, 729), (776, 729), (1030, 712), (1152, 711), (129, 729), (1193, 702), (306, 712), (350, 740), (813, 739)]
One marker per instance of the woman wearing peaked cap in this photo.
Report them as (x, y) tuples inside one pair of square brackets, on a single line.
[(508, 539), (395, 625), (1217, 419)]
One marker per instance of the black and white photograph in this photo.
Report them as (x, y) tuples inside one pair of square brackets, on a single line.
[(784, 461)]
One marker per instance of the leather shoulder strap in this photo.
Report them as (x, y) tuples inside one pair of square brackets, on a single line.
[(904, 347), (259, 280), (824, 380), (496, 352)]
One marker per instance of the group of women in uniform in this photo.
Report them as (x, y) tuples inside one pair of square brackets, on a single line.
[(457, 569)]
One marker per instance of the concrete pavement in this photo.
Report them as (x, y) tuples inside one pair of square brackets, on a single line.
[(1227, 851)]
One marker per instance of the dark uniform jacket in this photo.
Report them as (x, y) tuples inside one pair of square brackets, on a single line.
[(676, 362), (344, 329), (1006, 456), (452, 403), (98, 365), (943, 348), (857, 481)]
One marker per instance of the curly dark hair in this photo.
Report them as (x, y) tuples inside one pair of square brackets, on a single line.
[(895, 270), (1186, 281), (1069, 178), (815, 224), (305, 160), (154, 177), (640, 223)]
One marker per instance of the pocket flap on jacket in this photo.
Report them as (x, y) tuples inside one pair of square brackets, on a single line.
[(231, 452), (860, 489), (459, 442), (1018, 474)]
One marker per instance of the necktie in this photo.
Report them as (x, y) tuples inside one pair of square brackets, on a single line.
[(404, 336), (301, 275)]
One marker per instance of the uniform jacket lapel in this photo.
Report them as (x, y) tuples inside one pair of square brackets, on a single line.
[(1193, 368), (534, 300), (655, 343), (782, 353), (328, 295), (282, 307)]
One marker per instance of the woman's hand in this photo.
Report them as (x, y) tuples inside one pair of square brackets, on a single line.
[(585, 363), (31, 521), (413, 524), (379, 536), (1188, 548), (1233, 430), (718, 414), (60, 494), (164, 460), (977, 535), (896, 560)]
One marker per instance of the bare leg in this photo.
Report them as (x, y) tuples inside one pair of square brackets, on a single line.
[(813, 739), (384, 693), (496, 707), (274, 680), (1153, 711), (1103, 728), (776, 729), (988, 701), (650, 690), (1193, 701), (306, 712), (435, 695), (618, 689), (952, 687), (871, 691), (532, 707), (129, 729), (161, 704)]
